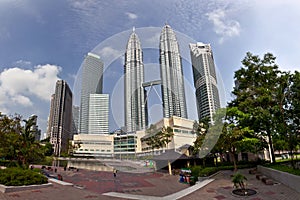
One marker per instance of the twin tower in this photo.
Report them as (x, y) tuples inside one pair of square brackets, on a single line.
[(172, 83)]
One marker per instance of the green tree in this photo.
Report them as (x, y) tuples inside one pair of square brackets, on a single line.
[(165, 135), (159, 139), (257, 84), (233, 132), (10, 129), (200, 129), (288, 111), (28, 149), (17, 142)]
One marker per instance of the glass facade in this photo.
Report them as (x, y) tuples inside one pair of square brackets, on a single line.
[(173, 95), (205, 80), (92, 81), (98, 114), (60, 119), (135, 107)]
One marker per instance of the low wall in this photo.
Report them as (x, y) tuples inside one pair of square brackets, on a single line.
[(6, 189), (287, 179)]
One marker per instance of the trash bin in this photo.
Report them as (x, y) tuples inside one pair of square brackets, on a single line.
[(181, 179), (188, 178)]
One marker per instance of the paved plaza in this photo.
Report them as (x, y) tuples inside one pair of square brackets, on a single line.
[(151, 185)]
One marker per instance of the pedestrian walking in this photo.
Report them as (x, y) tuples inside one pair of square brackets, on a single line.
[(115, 172)]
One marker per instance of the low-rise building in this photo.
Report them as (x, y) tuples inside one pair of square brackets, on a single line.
[(93, 145), (182, 131), (131, 144)]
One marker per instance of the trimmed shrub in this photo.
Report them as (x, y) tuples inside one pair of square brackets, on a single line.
[(196, 171), (207, 171), (284, 168), (18, 177)]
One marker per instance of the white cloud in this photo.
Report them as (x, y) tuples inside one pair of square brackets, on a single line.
[(109, 54), (21, 100), (223, 26), (19, 87), (22, 63), (131, 15), (82, 4)]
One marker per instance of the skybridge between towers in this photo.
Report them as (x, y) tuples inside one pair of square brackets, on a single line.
[(151, 84)]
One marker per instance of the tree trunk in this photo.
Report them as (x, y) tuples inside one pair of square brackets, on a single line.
[(216, 162), (170, 167), (271, 147), (232, 154)]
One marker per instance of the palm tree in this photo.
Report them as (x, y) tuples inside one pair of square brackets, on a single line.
[(239, 181), (167, 134), (29, 150)]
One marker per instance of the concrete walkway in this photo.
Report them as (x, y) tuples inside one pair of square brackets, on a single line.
[(176, 195)]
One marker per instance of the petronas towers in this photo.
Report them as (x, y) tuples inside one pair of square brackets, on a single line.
[(135, 107), (171, 75), (172, 84)]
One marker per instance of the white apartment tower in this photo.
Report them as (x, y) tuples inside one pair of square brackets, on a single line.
[(98, 114), (205, 80)]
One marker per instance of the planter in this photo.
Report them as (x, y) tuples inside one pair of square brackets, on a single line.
[(6, 189), (285, 178), (244, 192), (202, 178)]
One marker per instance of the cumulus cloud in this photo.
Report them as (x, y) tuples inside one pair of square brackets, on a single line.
[(21, 100), (131, 15), (19, 86), (223, 26)]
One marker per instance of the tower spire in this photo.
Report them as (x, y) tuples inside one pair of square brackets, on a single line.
[(133, 29)]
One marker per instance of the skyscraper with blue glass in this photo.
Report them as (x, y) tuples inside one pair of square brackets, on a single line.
[(172, 83), (135, 106), (91, 83)]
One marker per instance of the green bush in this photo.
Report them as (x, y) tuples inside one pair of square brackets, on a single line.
[(196, 171), (207, 171), (8, 163), (18, 177), (239, 180)]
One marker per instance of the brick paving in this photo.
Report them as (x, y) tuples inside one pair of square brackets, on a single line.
[(92, 184), (222, 187)]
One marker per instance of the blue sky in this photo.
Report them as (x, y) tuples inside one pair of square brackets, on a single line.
[(42, 41)]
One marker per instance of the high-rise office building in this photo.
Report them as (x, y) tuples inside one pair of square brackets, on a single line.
[(50, 117), (205, 80), (92, 81), (75, 120), (173, 95), (35, 128), (135, 108), (60, 118), (98, 114)]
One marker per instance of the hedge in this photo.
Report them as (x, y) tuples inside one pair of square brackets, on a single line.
[(18, 177)]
